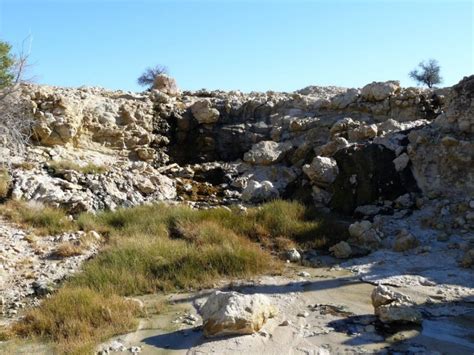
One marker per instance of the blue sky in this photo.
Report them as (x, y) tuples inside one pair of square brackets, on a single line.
[(247, 44)]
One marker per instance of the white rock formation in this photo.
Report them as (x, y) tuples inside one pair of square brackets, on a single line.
[(378, 91), (267, 152), (232, 313), (259, 191), (394, 307), (204, 113), (322, 171)]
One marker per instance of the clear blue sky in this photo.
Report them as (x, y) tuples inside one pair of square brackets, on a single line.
[(246, 44)]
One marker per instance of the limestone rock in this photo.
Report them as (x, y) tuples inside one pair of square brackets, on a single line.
[(363, 132), (341, 250), (330, 148), (204, 113), (232, 313), (293, 255), (401, 162), (322, 171), (259, 191), (267, 152), (343, 126), (394, 307), (166, 84), (378, 91), (365, 234), (405, 241)]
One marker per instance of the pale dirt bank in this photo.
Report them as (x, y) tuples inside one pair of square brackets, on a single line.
[(328, 312)]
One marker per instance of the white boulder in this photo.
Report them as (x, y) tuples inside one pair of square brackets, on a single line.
[(267, 152), (259, 191), (322, 171), (394, 307), (233, 313), (378, 91), (204, 113)]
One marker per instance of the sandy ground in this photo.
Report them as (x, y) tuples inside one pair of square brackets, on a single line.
[(339, 319)]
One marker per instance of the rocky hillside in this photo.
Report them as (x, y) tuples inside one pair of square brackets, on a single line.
[(347, 148), (394, 165)]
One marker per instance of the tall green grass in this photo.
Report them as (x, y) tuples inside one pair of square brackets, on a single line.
[(157, 247)]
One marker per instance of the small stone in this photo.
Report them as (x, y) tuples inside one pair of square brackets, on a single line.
[(405, 241), (341, 250), (135, 349), (293, 255), (285, 323), (304, 314), (304, 274)]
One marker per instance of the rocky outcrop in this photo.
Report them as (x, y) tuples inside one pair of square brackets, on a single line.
[(232, 313), (345, 148), (394, 307)]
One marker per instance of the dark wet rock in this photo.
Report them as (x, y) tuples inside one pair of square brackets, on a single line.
[(367, 174)]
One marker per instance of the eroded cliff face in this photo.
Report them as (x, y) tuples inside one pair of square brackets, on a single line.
[(336, 147)]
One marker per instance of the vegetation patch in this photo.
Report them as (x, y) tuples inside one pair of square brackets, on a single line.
[(78, 318), (159, 247), (5, 181), (67, 249), (60, 167), (44, 220)]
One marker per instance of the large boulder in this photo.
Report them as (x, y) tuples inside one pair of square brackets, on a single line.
[(378, 91), (394, 307), (322, 171), (232, 313), (204, 113), (267, 152), (166, 84)]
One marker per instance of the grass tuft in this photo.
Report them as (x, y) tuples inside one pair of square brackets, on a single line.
[(5, 181), (60, 167), (66, 250), (78, 318), (43, 219)]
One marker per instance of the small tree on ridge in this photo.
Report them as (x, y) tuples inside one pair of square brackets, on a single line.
[(149, 75), (427, 74)]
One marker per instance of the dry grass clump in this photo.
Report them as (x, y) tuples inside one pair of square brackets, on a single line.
[(59, 167), (43, 219), (25, 165), (78, 318), (66, 250), (5, 181)]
